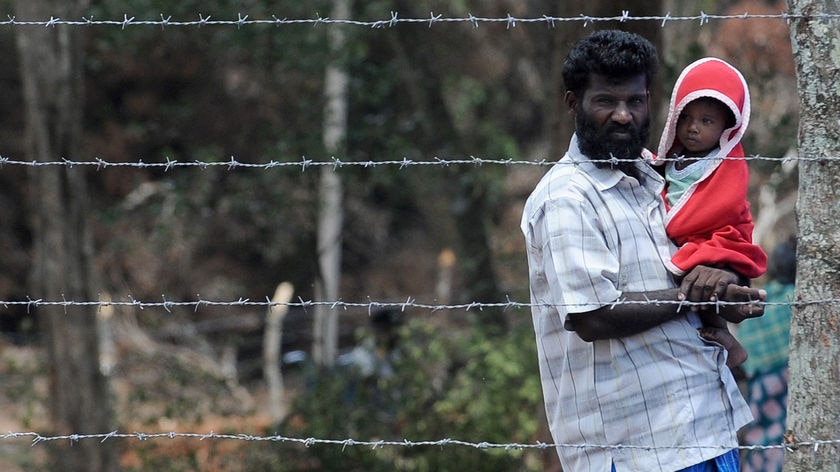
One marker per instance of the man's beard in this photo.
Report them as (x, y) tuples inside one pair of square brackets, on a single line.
[(596, 143)]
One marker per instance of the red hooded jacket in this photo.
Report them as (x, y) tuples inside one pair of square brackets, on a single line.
[(711, 223)]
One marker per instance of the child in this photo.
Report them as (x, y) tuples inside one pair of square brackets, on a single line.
[(706, 193)]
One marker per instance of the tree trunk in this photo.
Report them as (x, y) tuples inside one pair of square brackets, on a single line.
[(325, 349), (814, 388), (52, 75), (272, 344)]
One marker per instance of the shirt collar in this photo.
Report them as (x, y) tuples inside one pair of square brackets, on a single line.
[(605, 178)]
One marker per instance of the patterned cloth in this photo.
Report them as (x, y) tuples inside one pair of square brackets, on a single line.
[(766, 338), (768, 397), (591, 234), (767, 341)]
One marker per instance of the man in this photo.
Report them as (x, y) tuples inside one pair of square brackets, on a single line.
[(628, 383)]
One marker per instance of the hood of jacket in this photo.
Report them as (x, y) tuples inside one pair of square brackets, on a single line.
[(709, 77)]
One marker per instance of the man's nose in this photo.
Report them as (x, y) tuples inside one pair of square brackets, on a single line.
[(621, 114)]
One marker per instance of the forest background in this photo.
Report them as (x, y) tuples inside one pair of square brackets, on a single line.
[(433, 234)]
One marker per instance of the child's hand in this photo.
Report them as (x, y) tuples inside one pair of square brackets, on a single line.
[(740, 312)]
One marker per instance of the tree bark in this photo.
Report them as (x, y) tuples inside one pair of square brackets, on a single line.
[(331, 216), (272, 344), (52, 75), (814, 388)]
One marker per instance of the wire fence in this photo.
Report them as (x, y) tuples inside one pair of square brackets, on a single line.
[(37, 438), (394, 20), (303, 163), (372, 305)]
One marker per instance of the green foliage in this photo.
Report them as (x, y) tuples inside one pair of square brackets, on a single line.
[(210, 94), (18, 386), (446, 384)]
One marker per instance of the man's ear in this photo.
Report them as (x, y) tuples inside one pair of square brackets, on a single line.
[(570, 99)]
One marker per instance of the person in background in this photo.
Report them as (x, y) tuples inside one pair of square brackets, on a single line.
[(628, 384), (767, 339), (707, 178), (374, 356)]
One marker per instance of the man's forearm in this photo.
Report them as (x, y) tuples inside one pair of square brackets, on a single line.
[(625, 319)]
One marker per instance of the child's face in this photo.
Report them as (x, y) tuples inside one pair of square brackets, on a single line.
[(699, 127)]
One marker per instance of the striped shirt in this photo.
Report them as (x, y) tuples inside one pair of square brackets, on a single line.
[(591, 234)]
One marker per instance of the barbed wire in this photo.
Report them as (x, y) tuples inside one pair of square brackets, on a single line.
[(394, 19), (372, 305), (304, 163), (37, 438), (336, 163)]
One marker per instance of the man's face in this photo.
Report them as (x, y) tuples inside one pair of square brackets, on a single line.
[(612, 118)]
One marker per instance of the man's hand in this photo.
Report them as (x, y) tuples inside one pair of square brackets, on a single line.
[(708, 284), (705, 284)]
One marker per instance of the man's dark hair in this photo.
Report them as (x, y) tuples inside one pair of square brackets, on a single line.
[(612, 53)]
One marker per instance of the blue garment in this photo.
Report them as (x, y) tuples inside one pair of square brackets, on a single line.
[(727, 462)]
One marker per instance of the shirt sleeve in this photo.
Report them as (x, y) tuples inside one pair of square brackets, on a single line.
[(581, 268)]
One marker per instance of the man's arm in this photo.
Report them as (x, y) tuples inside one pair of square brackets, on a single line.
[(625, 319)]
